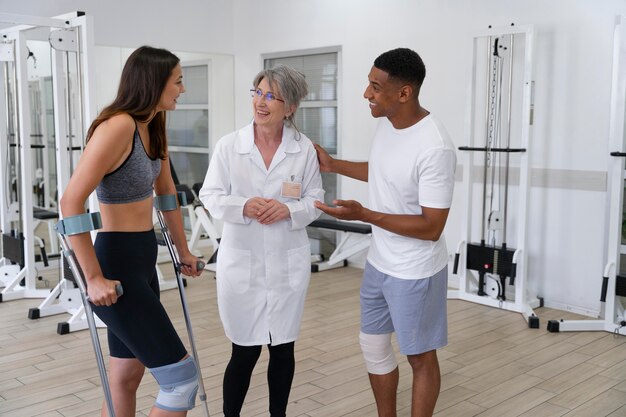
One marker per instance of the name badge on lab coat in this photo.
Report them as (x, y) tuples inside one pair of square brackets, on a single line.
[(291, 189)]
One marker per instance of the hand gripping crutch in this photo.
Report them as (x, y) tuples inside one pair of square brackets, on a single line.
[(169, 203), (74, 225)]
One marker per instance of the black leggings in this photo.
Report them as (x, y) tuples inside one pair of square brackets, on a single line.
[(279, 377), (138, 326)]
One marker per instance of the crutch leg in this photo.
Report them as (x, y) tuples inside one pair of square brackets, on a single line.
[(70, 226), (169, 203)]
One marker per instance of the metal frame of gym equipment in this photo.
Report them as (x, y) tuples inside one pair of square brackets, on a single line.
[(203, 221), (612, 316), (9, 199), (18, 262), (11, 274), (72, 118), (40, 164), (494, 50), (73, 102)]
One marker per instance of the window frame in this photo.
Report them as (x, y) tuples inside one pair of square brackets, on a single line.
[(206, 150), (319, 103)]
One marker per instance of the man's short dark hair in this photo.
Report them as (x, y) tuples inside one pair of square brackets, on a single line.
[(404, 65)]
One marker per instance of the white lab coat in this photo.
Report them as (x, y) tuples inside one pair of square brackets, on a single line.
[(263, 271)]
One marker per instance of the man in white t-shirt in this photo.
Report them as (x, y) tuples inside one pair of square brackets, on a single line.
[(411, 178)]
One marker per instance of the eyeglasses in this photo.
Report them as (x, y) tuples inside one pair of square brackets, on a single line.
[(269, 96)]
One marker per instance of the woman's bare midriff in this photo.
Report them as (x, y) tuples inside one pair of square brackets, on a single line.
[(128, 217)]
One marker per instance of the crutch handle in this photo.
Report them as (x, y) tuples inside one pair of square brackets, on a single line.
[(199, 265), (118, 290)]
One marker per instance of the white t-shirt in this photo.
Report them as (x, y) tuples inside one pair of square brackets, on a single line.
[(409, 168)]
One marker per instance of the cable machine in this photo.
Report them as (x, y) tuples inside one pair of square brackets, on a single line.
[(70, 37), (504, 57), (74, 104), (17, 269), (612, 316)]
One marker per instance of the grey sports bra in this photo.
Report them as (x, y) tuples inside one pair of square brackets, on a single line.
[(133, 180)]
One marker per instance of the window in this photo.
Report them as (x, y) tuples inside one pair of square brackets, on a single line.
[(317, 116), (188, 126)]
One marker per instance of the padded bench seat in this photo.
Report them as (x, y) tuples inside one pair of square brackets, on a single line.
[(49, 216), (43, 214), (343, 226), (349, 244)]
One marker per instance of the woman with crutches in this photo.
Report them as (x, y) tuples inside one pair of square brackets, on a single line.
[(125, 160)]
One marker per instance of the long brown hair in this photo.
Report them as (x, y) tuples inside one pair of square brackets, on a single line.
[(144, 77)]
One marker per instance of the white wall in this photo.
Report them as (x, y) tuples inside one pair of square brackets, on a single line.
[(193, 29), (573, 54), (189, 25)]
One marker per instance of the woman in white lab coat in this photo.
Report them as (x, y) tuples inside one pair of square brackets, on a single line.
[(262, 182)]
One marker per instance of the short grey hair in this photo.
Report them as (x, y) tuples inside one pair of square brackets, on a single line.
[(291, 85)]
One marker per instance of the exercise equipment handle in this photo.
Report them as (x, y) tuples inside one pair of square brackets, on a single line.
[(605, 287)]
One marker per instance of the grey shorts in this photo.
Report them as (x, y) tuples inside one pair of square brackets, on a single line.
[(415, 309)]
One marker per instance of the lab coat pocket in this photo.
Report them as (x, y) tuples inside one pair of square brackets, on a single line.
[(299, 267), (234, 269)]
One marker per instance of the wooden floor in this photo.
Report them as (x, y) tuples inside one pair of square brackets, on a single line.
[(494, 364)]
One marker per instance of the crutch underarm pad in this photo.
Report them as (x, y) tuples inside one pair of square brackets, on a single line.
[(80, 223), (168, 202)]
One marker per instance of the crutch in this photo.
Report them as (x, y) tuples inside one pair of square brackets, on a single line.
[(74, 225), (169, 203)]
